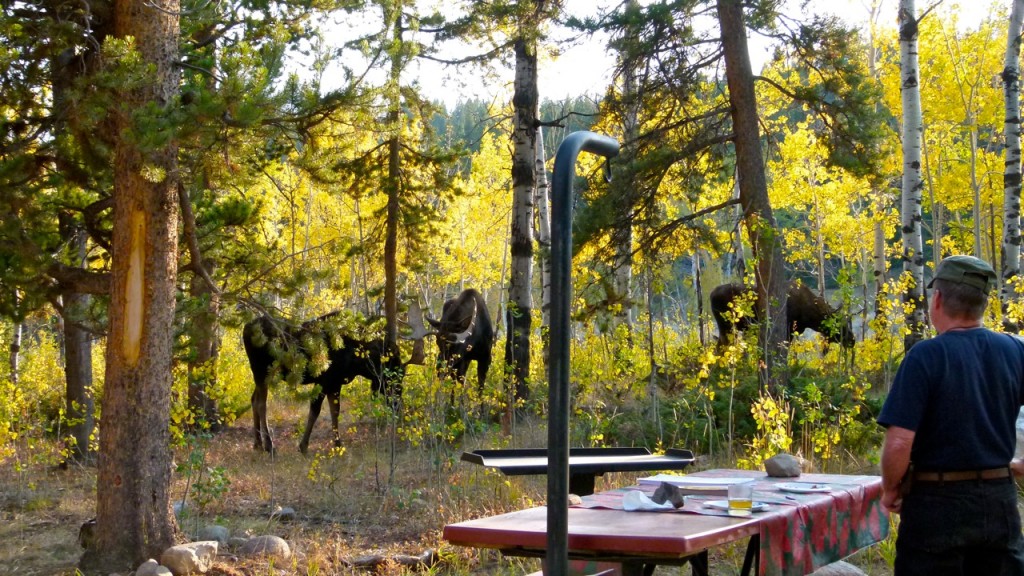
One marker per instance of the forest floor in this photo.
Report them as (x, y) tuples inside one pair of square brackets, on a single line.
[(375, 498)]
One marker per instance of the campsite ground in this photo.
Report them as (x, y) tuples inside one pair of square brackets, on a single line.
[(355, 507)]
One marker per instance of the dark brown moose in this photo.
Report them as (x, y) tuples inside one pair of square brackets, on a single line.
[(464, 334), (269, 342), (804, 309)]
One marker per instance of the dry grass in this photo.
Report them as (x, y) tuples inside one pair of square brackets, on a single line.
[(366, 500)]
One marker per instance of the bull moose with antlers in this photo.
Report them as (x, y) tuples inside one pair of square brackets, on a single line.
[(464, 334)]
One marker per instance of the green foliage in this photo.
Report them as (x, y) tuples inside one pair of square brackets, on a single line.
[(823, 69), (32, 410), (774, 431), (204, 484)]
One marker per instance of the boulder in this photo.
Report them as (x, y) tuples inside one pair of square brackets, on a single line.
[(214, 532), (285, 514), (838, 569), (273, 546), (191, 558), (783, 466), (152, 568), (180, 509)]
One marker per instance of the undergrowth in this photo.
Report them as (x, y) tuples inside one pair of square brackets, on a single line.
[(396, 480)]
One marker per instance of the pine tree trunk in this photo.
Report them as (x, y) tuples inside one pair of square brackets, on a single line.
[(524, 140), (393, 185), (1011, 174), (765, 240), (78, 379), (79, 405), (133, 513), (202, 368), (205, 325), (14, 351), (625, 194)]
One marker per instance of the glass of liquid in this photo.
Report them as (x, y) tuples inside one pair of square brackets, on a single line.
[(741, 498)]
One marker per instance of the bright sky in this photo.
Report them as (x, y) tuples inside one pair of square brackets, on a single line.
[(584, 68)]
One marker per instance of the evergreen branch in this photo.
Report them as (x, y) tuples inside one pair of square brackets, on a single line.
[(90, 215), (468, 59), (79, 279), (557, 122), (201, 70), (188, 219), (274, 265)]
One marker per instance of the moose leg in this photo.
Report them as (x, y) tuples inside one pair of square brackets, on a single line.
[(261, 430), (314, 413), (334, 401), (483, 364)]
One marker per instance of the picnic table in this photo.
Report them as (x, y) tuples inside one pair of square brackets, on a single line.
[(797, 533)]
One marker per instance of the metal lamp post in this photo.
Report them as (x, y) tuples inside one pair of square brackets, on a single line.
[(557, 561)]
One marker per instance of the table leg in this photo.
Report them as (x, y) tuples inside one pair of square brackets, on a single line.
[(635, 568), (752, 559), (581, 484), (699, 564)]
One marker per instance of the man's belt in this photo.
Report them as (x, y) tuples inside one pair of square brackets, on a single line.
[(962, 475)]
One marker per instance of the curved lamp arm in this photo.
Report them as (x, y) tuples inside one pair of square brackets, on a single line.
[(557, 558)]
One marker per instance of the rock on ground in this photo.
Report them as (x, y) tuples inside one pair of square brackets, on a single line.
[(273, 546), (214, 532), (838, 569), (152, 568), (191, 558)]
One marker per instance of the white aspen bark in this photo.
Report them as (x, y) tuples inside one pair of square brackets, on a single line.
[(526, 102), (910, 212), (543, 233), (542, 230), (819, 240), (699, 290), (880, 199), (972, 121), (1011, 172), (937, 221)]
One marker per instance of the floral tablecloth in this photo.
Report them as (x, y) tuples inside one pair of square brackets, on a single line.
[(799, 532)]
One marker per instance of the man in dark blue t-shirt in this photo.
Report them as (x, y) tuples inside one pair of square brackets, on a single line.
[(950, 435)]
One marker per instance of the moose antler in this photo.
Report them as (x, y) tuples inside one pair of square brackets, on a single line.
[(461, 336), (419, 332)]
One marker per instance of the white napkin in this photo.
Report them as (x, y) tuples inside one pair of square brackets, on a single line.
[(637, 500)]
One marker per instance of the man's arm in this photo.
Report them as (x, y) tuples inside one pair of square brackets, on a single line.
[(895, 461), (1017, 466)]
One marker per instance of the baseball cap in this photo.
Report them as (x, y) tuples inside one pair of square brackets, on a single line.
[(966, 270)]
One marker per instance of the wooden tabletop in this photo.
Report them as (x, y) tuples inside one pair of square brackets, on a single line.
[(798, 534), (612, 532)]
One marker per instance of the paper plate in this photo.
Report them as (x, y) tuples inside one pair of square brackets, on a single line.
[(724, 505), (803, 487)]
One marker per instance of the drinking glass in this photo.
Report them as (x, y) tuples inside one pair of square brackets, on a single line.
[(741, 498)]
